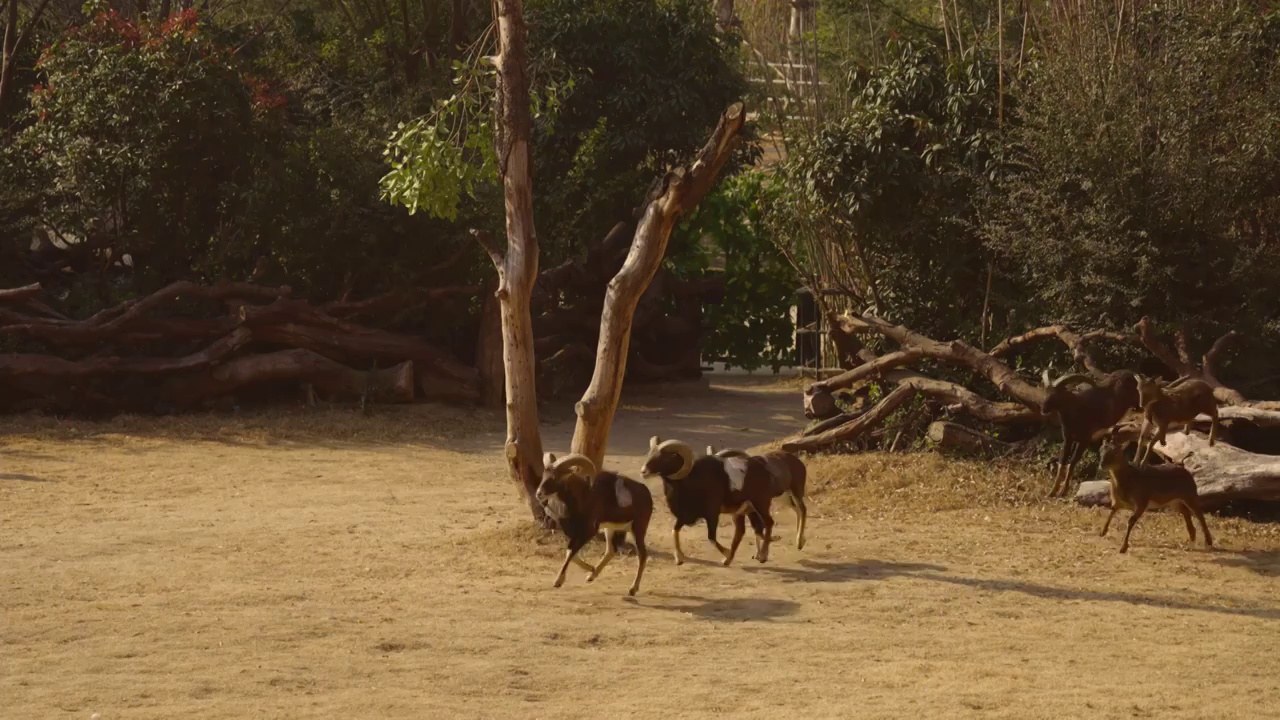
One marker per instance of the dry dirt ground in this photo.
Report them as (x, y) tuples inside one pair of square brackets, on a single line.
[(321, 564)]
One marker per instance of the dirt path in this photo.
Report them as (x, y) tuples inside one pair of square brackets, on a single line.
[(321, 564)]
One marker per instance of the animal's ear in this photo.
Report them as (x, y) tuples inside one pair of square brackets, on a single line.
[(548, 460), (653, 442), (711, 450)]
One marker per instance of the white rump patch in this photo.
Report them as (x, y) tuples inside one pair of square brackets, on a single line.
[(736, 469), (624, 495)]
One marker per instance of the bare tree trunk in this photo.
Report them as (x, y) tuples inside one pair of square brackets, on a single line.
[(678, 191), (14, 39), (518, 267)]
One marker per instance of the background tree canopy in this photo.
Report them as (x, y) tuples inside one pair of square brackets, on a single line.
[(1076, 165)]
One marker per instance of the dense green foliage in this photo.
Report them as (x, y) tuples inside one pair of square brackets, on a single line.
[(1134, 174), (751, 328), (1151, 186), (894, 178)]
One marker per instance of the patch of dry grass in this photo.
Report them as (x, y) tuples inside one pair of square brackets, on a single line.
[(254, 566)]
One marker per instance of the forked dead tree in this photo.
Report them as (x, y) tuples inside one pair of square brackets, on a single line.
[(518, 265), (672, 195)]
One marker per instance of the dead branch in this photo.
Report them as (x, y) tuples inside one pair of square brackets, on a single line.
[(1182, 364), (21, 293), (956, 352), (1077, 343)]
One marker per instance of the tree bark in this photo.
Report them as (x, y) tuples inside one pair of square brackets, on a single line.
[(394, 384), (679, 191), (518, 268), (954, 436)]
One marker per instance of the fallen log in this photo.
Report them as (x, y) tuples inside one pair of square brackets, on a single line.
[(954, 436), (852, 430), (109, 322), (1223, 473), (957, 352), (20, 365), (395, 384), (20, 293)]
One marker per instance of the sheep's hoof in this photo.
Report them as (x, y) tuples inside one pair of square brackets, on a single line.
[(679, 561), (1124, 549), (632, 591), (590, 578), (558, 583), (726, 562)]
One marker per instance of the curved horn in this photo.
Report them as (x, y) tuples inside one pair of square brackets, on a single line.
[(1073, 378), (684, 451), (571, 461)]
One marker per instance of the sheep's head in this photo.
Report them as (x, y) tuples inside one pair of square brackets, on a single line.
[(1059, 389), (1111, 452), (558, 478), (1124, 384), (671, 459), (1150, 390)]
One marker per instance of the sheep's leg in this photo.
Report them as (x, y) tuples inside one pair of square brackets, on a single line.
[(757, 528), (1139, 507), (1076, 453), (1160, 430), (569, 555), (1213, 426), (791, 500), (675, 539), (766, 532), (1142, 437), (802, 516), (610, 543), (1186, 517), (713, 521), (739, 529), (1107, 524), (1208, 539), (642, 553), (1062, 463)]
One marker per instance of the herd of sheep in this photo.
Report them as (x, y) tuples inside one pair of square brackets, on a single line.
[(585, 501)]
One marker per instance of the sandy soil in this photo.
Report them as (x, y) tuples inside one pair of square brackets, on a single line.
[(320, 564)]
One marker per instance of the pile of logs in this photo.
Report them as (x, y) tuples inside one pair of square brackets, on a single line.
[(1225, 472), (143, 356)]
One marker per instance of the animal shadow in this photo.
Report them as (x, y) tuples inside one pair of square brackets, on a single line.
[(1262, 562), (726, 609), (813, 571)]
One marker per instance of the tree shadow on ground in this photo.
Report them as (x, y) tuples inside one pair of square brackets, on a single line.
[(1262, 562), (820, 572), (724, 609), (24, 478)]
